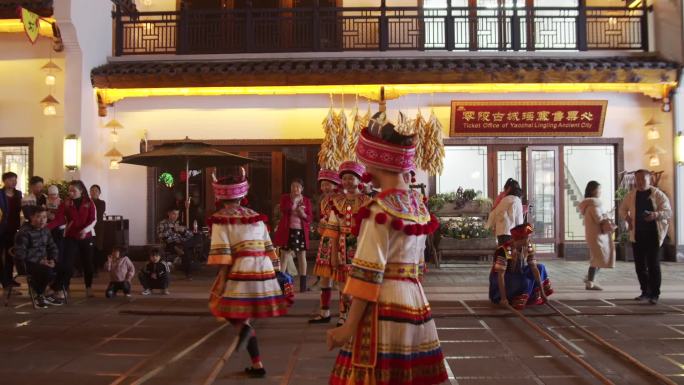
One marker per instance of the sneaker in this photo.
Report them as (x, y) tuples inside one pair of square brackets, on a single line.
[(53, 301), (592, 286), (40, 302), (146, 292), (653, 300), (166, 292), (319, 319), (642, 297), (255, 372)]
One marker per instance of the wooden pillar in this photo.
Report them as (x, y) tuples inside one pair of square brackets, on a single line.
[(472, 25), (276, 177), (582, 44), (530, 30)]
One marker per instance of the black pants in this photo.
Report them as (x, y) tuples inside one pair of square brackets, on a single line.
[(114, 288), (41, 276), (188, 249), (148, 283), (75, 249), (647, 263), (501, 239), (6, 260)]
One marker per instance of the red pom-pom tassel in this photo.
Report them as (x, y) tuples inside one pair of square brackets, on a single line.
[(264, 218), (366, 177), (244, 220), (244, 201), (381, 218), (397, 224), (364, 212), (232, 221), (409, 230)]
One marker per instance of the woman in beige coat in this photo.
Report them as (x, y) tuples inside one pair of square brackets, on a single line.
[(597, 230)]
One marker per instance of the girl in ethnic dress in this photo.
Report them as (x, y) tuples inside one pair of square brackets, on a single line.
[(389, 336), (246, 286), (342, 219), (516, 278), (328, 181)]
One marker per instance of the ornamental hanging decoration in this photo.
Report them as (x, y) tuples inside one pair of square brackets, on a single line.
[(433, 146), (166, 179), (326, 156), (31, 22)]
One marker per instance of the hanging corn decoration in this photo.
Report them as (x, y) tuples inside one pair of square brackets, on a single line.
[(419, 131), (433, 146), (342, 141), (326, 156), (357, 126)]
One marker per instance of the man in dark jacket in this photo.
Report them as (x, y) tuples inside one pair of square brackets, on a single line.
[(35, 247), (10, 218)]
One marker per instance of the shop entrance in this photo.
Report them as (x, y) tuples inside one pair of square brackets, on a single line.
[(553, 173)]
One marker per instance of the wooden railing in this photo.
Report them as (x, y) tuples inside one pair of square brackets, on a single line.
[(380, 29)]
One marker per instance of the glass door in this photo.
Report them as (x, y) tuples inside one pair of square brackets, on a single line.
[(543, 195)]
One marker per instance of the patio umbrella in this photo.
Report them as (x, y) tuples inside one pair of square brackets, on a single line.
[(189, 154)]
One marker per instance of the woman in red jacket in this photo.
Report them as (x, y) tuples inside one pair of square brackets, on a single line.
[(78, 213), (292, 235)]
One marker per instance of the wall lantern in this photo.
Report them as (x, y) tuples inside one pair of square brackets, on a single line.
[(72, 152), (679, 148), (49, 104), (652, 127), (114, 158), (50, 69), (654, 153)]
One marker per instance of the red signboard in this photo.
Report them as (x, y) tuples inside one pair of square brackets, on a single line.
[(528, 118)]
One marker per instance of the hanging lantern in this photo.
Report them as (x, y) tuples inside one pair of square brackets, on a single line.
[(654, 153), (50, 69), (72, 152), (114, 125), (114, 158), (49, 104), (652, 127), (679, 148)]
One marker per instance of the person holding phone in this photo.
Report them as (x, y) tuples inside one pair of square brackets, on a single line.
[(646, 210)]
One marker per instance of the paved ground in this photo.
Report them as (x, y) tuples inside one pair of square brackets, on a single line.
[(172, 340)]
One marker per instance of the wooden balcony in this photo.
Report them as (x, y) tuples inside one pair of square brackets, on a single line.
[(318, 29)]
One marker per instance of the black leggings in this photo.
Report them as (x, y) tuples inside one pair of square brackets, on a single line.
[(73, 249)]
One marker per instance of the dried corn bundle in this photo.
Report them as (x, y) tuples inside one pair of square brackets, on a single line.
[(342, 142), (419, 130), (433, 146), (326, 156), (357, 126)]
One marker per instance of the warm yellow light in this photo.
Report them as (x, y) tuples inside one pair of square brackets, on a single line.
[(49, 104), (113, 164), (50, 80), (653, 134), (635, 3), (654, 161), (50, 110), (392, 91), (679, 148), (15, 26), (72, 152), (114, 136)]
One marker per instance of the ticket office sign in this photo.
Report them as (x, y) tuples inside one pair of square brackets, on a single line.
[(528, 118)]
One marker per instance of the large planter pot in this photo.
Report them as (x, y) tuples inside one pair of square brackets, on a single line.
[(470, 208), (447, 243), (624, 251)]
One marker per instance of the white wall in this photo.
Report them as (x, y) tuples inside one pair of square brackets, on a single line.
[(296, 117), (23, 86)]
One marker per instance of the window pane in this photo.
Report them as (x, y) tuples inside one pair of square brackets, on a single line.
[(583, 164), (16, 159), (464, 166), (543, 193), (509, 165)]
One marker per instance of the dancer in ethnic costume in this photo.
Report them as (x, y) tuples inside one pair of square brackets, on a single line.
[(389, 337), (328, 181), (340, 223), (516, 277), (246, 286)]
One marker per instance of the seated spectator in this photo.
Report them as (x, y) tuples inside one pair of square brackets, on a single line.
[(34, 247), (121, 272), (35, 197), (177, 239), (155, 274)]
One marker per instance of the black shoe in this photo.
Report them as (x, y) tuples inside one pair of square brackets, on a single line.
[(320, 320), (642, 297), (53, 301), (653, 300), (40, 302), (255, 372), (243, 337)]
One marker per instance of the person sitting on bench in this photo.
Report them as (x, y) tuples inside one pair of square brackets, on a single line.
[(178, 239), (34, 246)]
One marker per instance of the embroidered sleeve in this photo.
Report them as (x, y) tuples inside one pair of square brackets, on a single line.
[(368, 265), (219, 252), (269, 249), (500, 260)]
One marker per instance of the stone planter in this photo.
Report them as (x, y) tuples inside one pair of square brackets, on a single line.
[(447, 243)]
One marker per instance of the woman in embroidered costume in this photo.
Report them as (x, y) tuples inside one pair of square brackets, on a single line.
[(516, 278), (328, 181), (341, 221), (246, 285), (389, 336)]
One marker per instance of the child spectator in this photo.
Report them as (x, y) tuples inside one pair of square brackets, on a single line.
[(121, 271), (34, 247), (155, 274)]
